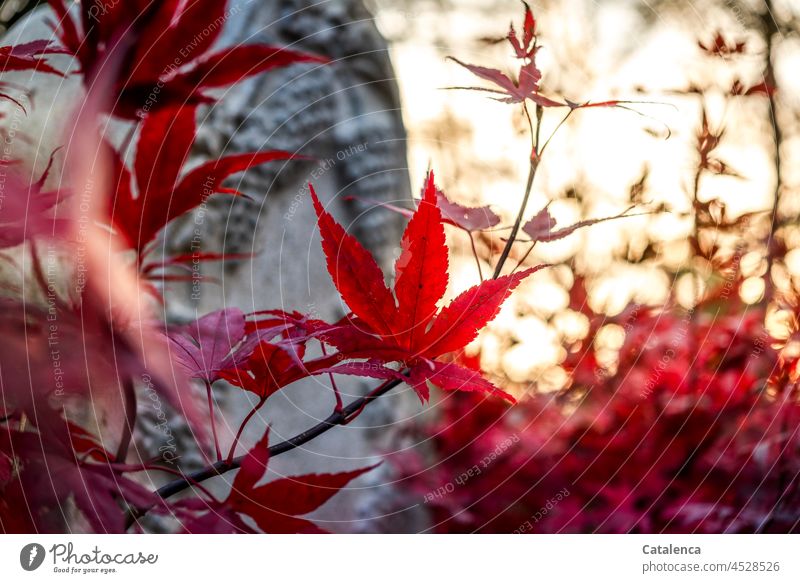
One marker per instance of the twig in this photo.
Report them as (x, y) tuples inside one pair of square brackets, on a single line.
[(531, 175), (336, 392), (210, 398), (475, 255), (129, 393), (346, 415), (243, 425), (770, 30)]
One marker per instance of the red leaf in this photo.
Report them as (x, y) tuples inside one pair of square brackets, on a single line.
[(275, 506), (458, 324), (513, 92), (467, 218), (452, 377), (28, 56), (356, 274), (540, 227), (165, 45), (421, 270), (204, 346), (207, 178), (232, 64), (164, 144), (268, 369), (254, 466)]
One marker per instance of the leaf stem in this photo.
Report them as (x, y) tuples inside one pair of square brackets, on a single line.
[(336, 392), (210, 398), (475, 255), (129, 400), (249, 416)]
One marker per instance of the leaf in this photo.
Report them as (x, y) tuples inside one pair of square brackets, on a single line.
[(164, 143), (413, 333), (203, 347), (355, 274), (267, 369), (275, 506), (232, 64), (540, 227), (166, 48), (452, 377), (458, 324), (513, 92), (254, 466), (28, 56), (469, 219), (207, 178), (421, 270)]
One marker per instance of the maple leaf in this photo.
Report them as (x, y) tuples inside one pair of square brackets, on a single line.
[(525, 87), (276, 507), (65, 455), (167, 51), (162, 194), (204, 347), (29, 56), (721, 47), (466, 218), (406, 326), (524, 47), (268, 368), (541, 227)]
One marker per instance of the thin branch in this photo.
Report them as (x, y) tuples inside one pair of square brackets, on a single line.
[(336, 392), (475, 255), (528, 187), (129, 393), (243, 425), (345, 416), (770, 31), (210, 397)]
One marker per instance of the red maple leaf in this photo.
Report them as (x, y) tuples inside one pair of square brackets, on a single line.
[(161, 193), (406, 326), (276, 507), (166, 45), (204, 347), (29, 56), (541, 228)]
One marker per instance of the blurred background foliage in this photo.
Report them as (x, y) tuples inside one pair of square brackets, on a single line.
[(706, 162)]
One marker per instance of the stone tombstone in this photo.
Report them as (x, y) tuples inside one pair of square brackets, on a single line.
[(345, 118)]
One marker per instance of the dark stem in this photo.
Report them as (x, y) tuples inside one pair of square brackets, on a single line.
[(337, 395), (252, 412), (129, 393), (528, 187), (343, 417), (210, 397), (770, 31)]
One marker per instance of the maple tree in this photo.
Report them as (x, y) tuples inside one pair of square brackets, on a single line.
[(150, 64)]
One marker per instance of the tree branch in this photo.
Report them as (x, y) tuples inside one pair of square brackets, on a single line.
[(343, 417)]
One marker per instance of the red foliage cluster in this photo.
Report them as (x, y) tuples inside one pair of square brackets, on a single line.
[(694, 430)]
